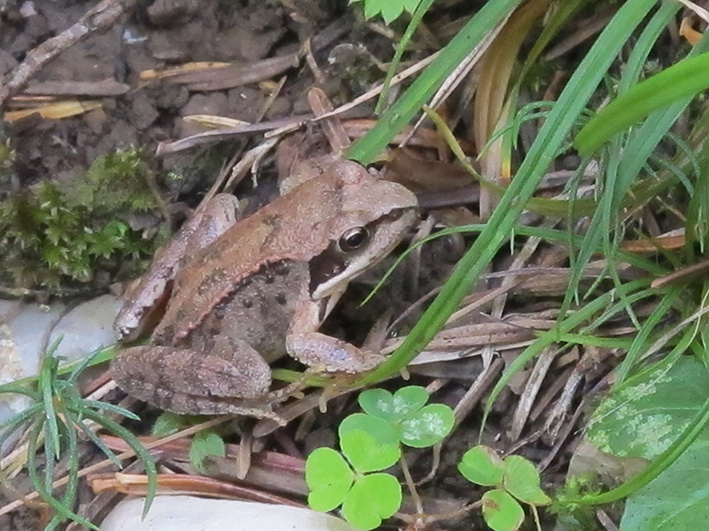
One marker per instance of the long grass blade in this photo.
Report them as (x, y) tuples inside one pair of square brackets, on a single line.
[(130, 439), (416, 18), (682, 80), (395, 118), (62, 511), (552, 135)]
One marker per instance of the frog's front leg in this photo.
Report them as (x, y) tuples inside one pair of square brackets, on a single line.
[(320, 351), (231, 379)]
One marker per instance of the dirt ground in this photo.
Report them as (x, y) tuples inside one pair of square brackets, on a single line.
[(106, 66)]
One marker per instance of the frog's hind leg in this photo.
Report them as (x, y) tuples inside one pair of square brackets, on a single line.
[(230, 378)]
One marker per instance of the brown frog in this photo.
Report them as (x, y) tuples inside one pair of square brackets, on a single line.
[(258, 289)]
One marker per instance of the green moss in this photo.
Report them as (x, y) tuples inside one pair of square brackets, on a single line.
[(56, 237), (7, 163), (7, 156), (115, 183)]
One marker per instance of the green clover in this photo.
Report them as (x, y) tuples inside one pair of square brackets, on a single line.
[(345, 479), (416, 424)]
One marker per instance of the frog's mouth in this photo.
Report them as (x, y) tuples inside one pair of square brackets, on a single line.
[(332, 269)]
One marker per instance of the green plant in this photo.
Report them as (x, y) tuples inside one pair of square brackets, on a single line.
[(116, 183), (371, 442), (352, 479), (205, 443), (54, 236), (55, 420), (633, 166), (514, 478), (660, 414), (7, 161), (401, 418), (390, 10)]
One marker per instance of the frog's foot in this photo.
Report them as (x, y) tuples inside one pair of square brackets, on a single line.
[(338, 384), (320, 351), (292, 390), (189, 404)]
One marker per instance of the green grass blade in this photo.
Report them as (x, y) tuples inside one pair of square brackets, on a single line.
[(104, 406), (73, 459), (594, 341), (542, 152), (395, 118), (697, 224), (99, 443), (682, 80), (51, 433), (137, 447), (638, 59), (95, 357), (641, 339), (624, 163), (624, 298), (20, 388), (15, 421), (50, 456), (400, 48), (62, 511), (582, 315), (618, 182)]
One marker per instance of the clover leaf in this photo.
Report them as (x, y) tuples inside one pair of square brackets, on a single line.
[(522, 481), (416, 424), (382, 431), (514, 477), (501, 511), (393, 408), (371, 499), (329, 479), (389, 10), (365, 454), (481, 465), (342, 479)]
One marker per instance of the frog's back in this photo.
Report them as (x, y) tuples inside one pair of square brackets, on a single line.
[(290, 230), (257, 312)]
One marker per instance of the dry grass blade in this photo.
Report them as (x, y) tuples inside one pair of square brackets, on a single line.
[(55, 111), (184, 484), (102, 15)]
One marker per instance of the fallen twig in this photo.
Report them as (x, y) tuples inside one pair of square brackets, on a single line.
[(97, 18)]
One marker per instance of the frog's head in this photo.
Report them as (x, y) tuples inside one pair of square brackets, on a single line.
[(374, 217)]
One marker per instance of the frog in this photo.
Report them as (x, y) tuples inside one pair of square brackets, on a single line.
[(245, 293)]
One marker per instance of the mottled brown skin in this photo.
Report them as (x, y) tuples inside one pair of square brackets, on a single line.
[(263, 288), (231, 373), (199, 231)]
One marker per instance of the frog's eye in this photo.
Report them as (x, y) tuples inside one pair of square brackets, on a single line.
[(353, 239)]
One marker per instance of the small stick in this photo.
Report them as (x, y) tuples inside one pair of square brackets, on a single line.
[(97, 18)]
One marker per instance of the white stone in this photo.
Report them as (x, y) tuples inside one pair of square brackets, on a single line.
[(189, 513), (87, 327), (23, 332)]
